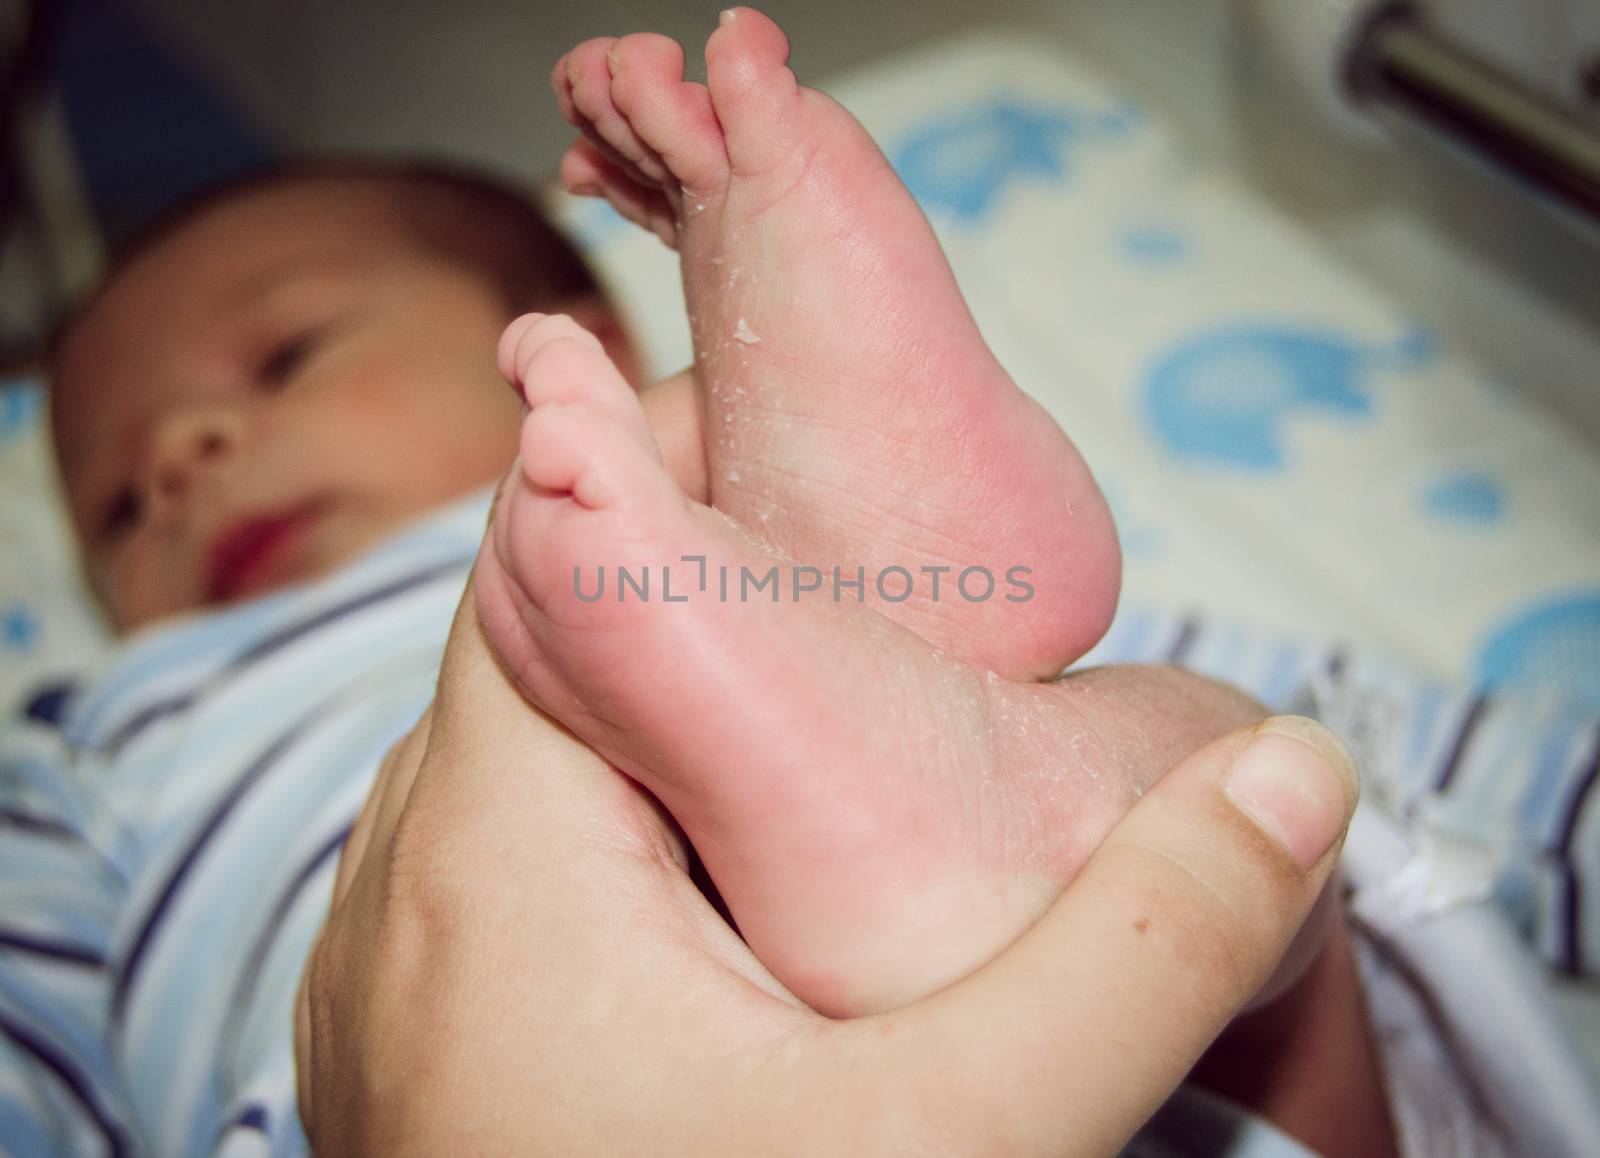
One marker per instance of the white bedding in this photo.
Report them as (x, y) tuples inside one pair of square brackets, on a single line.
[(48, 625)]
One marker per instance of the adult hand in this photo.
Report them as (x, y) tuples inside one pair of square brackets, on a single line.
[(516, 961)]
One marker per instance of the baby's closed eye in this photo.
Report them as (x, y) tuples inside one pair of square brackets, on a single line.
[(286, 357), (121, 514)]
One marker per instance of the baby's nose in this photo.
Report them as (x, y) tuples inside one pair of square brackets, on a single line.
[(187, 447)]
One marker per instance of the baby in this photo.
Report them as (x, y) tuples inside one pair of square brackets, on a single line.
[(286, 374)]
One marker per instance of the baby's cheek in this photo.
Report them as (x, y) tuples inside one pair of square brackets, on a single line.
[(145, 581)]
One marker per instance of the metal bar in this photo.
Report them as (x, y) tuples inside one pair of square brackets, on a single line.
[(1402, 64)]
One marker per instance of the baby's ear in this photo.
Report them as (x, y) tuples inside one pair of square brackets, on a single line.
[(596, 315)]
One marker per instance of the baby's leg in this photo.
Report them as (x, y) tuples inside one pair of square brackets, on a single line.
[(880, 816), (853, 414)]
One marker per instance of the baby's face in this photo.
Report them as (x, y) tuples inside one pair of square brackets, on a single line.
[(267, 393)]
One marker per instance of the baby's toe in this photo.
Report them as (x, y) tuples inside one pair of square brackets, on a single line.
[(755, 96), (671, 116), (587, 172), (558, 361), (576, 450), (589, 69)]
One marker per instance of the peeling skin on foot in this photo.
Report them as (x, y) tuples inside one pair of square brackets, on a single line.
[(1001, 787), (881, 295)]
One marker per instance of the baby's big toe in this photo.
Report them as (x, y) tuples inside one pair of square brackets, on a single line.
[(549, 358), (574, 449), (752, 90), (585, 435)]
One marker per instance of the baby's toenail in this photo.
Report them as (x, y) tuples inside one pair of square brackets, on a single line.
[(727, 16), (611, 61)]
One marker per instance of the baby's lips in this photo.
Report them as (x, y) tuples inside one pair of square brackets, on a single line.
[(251, 554)]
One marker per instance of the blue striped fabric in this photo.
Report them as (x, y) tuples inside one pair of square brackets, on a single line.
[(1513, 775), (167, 855)]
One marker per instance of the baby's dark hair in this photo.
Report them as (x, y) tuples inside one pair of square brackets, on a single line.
[(458, 213)]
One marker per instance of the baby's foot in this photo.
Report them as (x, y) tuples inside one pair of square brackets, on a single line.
[(853, 414), (879, 816)]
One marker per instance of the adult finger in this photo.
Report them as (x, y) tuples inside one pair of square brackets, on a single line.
[(1177, 920)]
